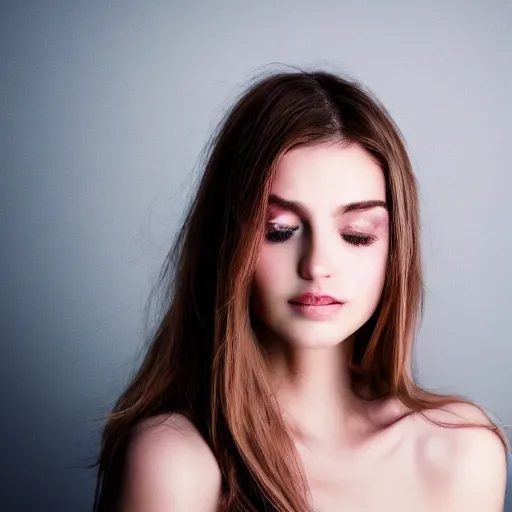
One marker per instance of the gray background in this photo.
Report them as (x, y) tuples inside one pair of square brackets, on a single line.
[(105, 107)]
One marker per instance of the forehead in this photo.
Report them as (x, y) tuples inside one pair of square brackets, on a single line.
[(329, 175)]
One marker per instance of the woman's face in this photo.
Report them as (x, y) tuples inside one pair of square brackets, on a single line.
[(312, 245)]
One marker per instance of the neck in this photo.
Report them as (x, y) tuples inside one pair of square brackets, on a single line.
[(313, 389)]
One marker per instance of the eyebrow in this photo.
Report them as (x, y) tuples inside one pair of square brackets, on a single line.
[(299, 208)]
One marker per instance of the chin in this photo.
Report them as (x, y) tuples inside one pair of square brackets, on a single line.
[(315, 336)]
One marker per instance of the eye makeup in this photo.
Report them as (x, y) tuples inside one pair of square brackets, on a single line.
[(359, 238), (278, 233)]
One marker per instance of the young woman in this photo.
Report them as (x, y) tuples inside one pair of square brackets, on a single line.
[(280, 375)]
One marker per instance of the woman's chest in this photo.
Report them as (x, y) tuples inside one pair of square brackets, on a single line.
[(391, 481), (394, 491)]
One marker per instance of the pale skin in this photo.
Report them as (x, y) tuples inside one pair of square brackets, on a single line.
[(351, 461)]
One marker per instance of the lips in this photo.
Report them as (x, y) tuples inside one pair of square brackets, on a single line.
[(312, 299)]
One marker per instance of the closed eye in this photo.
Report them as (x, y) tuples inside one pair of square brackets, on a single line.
[(358, 240), (280, 233)]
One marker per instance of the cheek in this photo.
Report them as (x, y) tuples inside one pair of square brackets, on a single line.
[(272, 269), (272, 280), (371, 272)]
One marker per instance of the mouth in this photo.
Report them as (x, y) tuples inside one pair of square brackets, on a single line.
[(324, 311), (310, 299), (316, 304)]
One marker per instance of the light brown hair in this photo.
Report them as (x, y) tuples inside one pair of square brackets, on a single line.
[(204, 360)]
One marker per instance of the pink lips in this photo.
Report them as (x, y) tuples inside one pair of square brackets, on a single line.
[(316, 307), (312, 299)]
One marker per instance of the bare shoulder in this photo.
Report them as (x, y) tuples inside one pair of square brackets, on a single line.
[(464, 467), (169, 466)]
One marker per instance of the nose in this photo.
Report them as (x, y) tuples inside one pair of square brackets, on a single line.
[(316, 261)]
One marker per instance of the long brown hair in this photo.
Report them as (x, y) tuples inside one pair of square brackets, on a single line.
[(204, 360)]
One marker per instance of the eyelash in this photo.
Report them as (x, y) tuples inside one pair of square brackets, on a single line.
[(284, 233)]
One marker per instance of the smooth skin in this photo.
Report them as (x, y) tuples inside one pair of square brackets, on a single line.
[(352, 461)]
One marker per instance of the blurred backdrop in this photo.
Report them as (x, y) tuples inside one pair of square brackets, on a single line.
[(105, 108)]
